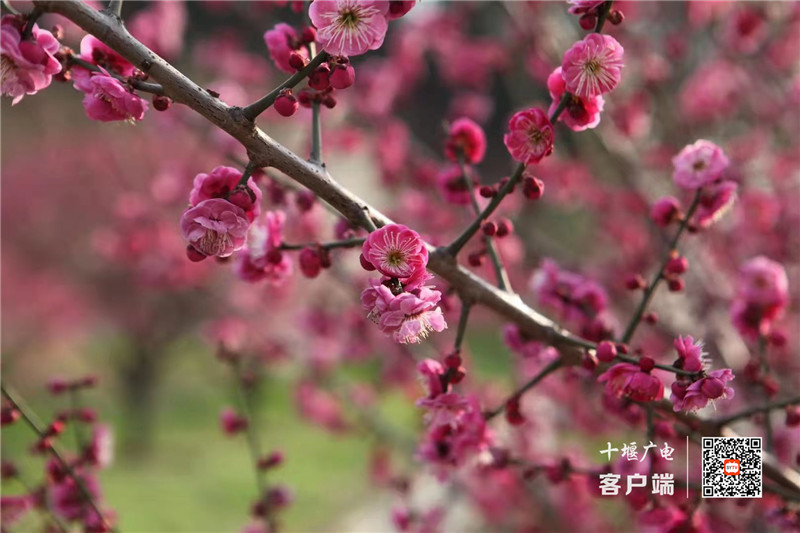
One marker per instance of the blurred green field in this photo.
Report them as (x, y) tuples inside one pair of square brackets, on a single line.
[(193, 478)]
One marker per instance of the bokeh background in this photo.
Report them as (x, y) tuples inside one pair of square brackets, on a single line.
[(95, 280)]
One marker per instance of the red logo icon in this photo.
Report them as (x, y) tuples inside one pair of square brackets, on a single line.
[(731, 467)]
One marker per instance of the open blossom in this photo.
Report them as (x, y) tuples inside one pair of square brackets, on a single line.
[(593, 66), (282, 41), (699, 164), (690, 353), (579, 7), (573, 295), (408, 316), (107, 100), (715, 200), (215, 227), (629, 380), (455, 438), (579, 113), (395, 251), (98, 53), (261, 258), (221, 183), (66, 496), (26, 65), (761, 297), (698, 394), (530, 136), (465, 139), (349, 27), (431, 373)]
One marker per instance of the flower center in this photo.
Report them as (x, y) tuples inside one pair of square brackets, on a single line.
[(6, 68), (699, 165), (213, 242), (535, 136), (395, 257), (349, 18), (592, 66)]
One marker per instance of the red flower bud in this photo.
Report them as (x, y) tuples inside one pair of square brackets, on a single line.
[(320, 79), (297, 61), (286, 104), (343, 76), (193, 255), (161, 103), (310, 264), (489, 228), (487, 191), (606, 351)]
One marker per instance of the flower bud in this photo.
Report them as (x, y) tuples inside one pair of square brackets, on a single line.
[(606, 351), (665, 211), (487, 191), (635, 282), (504, 227), (310, 264), (677, 265), (308, 35), (513, 414), (161, 103), (286, 104), (646, 364), (676, 285), (792, 416), (588, 21), (320, 79), (193, 255), (616, 17), (489, 228), (532, 188), (9, 415), (475, 259), (305, 201), (271, 461), (274, 256), (297, 61), (343, 76), (651, 318)]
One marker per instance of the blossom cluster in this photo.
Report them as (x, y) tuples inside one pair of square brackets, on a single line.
[(400, 303)]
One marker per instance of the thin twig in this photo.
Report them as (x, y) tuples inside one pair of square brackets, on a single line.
[(746, 413), (651, 289), (466, 307), (499, 269), (253, 441), (494, 203), (346, 243), (605, 9), (115, 8), (139, 85), (35, 424), (546, 371), (261, 105), (316, 134)]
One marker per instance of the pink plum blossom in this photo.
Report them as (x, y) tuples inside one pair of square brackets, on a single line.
[(455, 438), (349, 27), (665, 211), (395, 251), (107, 100), (215, 227), (465, 140), (699, 164), (408, 316), (26, 65), (629, 380), (221, 183), (697, 395), (161, 27), (282, 41), (593, 66), (262, 258), (431, 373), (530, 136), (579, 7), (690, 353), (98, 53), (761, 298), (580, 113), (574, 296), (715, 200)]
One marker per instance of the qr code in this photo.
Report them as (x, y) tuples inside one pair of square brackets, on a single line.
[(732, 467)]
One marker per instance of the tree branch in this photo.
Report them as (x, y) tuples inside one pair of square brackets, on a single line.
[(266, 152)]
